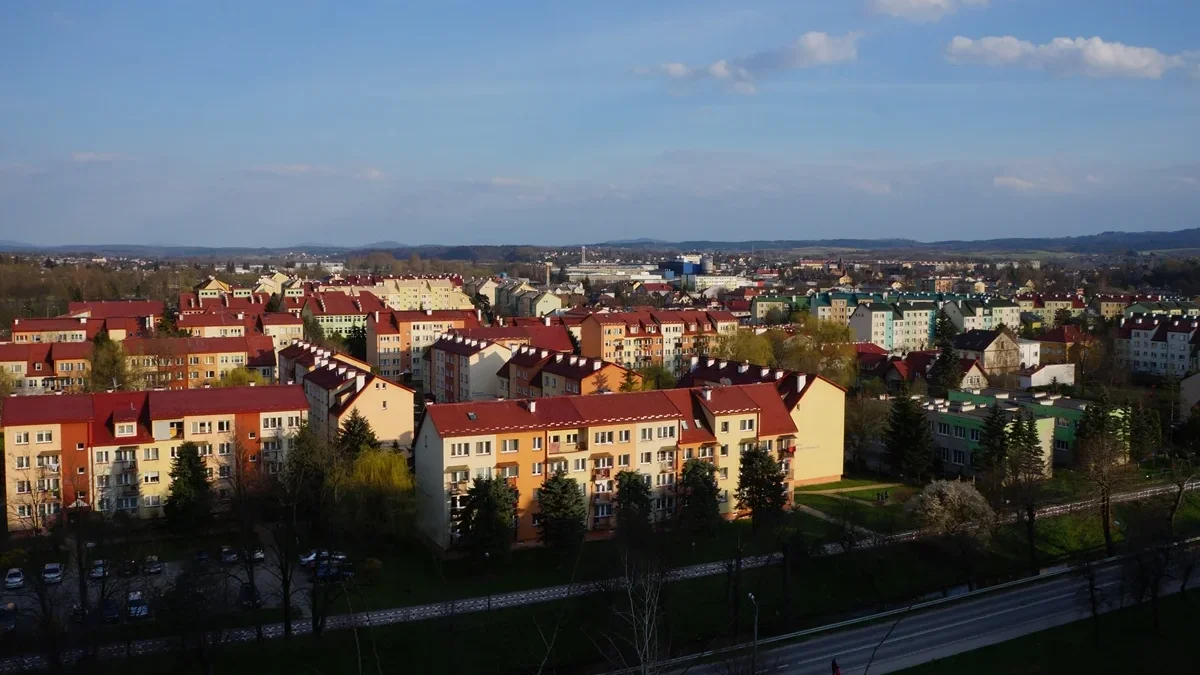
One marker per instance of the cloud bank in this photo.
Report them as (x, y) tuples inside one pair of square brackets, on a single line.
[(1084, 57), (921, 10)]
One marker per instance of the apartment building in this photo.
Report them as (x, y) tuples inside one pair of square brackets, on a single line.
[(1108, 306), (397, 341), (147, 312), (1031, 352), (531, 373), (251, 305), (403, 293), (1065, 410), (1160, 306), (986, 314), (761, 306), (538, 303), (485, 286), (1065, 344), (79, 329), (520, 376), (196, 362), (1049, 305), (282, 327), (592, 438), (551, 337), (213, 325), (957, 429), (464, 369), (643, 338), (112, 452), (996, 350), (335, 388), (338, 312), (896, 327), (41, 368), (300, 358), (1156, 345)]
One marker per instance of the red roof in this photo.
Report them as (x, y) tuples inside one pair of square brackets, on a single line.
[(113, 309), (388, 321), (539, 336), (62, 324), (1067, 334), (26, 410), (279, 319), (208, 320), (774, 417), (175, 403), (869, 348), (332, 303), (460, 346)]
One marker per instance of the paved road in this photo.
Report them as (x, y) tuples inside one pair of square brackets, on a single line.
[(921, 637)]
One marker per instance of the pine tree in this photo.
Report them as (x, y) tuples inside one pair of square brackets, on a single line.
[(487, 518), (1145, 433), (1026, 477), (356, 435), (274, 303), (633, 509), (991, 459), (944, 329), (564, 513), (699, 511), (908, 442), (189, 500), (760, 487), (629, 382), (946, 373)]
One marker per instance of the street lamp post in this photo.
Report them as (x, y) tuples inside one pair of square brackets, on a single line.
[(487, 564), (754, 645)]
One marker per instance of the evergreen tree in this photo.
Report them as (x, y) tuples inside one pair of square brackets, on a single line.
[(760, 487), (356, 342), (944, 329), (1026, 477), (991, 459), (1145, 433), (564, 512), (487, 518), (908, 442), (274, 303), (699, 511), (634, 509), (313, 330), (946, 373), (107, 367), (356, 435), (189, 500), (1101, 455), (630, 381)]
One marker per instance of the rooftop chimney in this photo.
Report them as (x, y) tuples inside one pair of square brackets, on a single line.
[(532, 406), (545, 353), (558, 358), (546, 320), (801, 380), (596, 364), (707, 394)]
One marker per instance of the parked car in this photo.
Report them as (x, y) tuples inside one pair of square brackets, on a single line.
[(129, 568), (99, 569), (326, 571), (137, 606), (228, 555), (8, 617), (109, 611), (256, 555), (201, 557), (14, 579), (309, 559), (77, 614), (52, 573), (249, 597), (151, 565)]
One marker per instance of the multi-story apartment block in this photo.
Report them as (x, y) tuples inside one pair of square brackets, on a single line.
[(82, 329), (1065, 410), (397, 341), (1156, 345), (1161, 307), (531, 373), (985, 314), (404, 293), (338, 312), (46, 367), (1109, 306), (282, 327), (196, 362), (520, 377), (507, 294), (300, 358), (1047, 306), (249, 305), (485, 286), (642, 338), (957, 429), (538, 303), (112, 451), (464, 369), (761, 306), (592, 438), (147, 312), (552, 337), (213, 325), (896, 327), (996, 350), (1065, 344)]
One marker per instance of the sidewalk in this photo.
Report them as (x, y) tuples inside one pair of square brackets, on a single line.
[(835, 491), (830, 519)]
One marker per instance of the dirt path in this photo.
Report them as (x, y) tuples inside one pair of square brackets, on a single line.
[(834, 491)]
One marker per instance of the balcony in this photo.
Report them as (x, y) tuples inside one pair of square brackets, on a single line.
[(667, 466), (601, 474), (562, 448), (602, 497), (511, 481), (603, 523), (458, 487), (787, 450)]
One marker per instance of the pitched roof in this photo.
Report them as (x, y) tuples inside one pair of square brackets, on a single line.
[(539, 336), (62, 324), (975, 340), (577, 367), (460, 345), (1066, 334), (103, 408), (333, 303), (110, 309)]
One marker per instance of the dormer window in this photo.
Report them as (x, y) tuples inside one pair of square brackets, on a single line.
[(126, 429)]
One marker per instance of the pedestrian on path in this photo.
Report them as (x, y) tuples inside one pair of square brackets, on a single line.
[(836, 670)]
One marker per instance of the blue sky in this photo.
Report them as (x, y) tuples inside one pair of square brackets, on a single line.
[(270, 123)]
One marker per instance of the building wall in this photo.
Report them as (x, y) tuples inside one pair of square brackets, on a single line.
[(389, 410), (42, 505), (820, 442)]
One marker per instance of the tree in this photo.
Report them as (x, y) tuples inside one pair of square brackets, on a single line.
[(107, 366), (600, 381), (960, 516), (240, 377), (313, 330), (655, 376), (699, 510), (564, 513), (1062, 317), (189, 500), (866, 424), (487, 518), (1145, 433), (745, 346), (991, 459), (634, 510), (908, 442), (1101, 458), (274, 304), (484, 305), (356, 342), (775, 316), (1026, 475), (760, 487), (356, 435), (944, 329), (629, 381), (380, 495), (946, 373)]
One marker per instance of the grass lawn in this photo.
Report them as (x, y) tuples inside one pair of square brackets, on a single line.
[(843, 484), (1127, 643), (885, 519)]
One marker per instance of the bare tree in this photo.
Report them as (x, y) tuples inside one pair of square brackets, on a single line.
[(1094, 594), (247, 486), (639, 645)]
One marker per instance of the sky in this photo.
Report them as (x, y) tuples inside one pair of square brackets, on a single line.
[(273, 123)]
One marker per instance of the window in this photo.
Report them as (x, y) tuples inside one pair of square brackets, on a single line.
[(604, 437), (664, 479), (102, 481), (23, 462), (723, 473), (604, 462), (49, 509), (580, 465), (204, 450), (150, 477), (622, 460), (645, 458), (152, 500), (647, 434), (510, 445), (666, 432), (124, 479), (460, 449), (24, 511), (223, 426), (747, 425), (960, 457), (960, 432), (573, 439), (558, 467), (943, 428), (623, 436), (537, 468), (603, 510), (706, 452), (102, 456), (201, 427), (208, 473), (724, 427), (293, 421), (1060, 444), (22, 487), (45, 437), (537, 443), (975, 435), (483, 472), (725, 450), (224, 448), (483, 448), (150, 454), (126, 429), (223, 472), (272, 422), (21, 438)]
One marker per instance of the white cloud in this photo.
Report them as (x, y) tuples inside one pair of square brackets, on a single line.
[(1012, 183), (509, 181), (1051, 184), (1089, 57), (88, 157), (370, 173), (1094, 179), (921, 10), (810, 50), (870, 186)]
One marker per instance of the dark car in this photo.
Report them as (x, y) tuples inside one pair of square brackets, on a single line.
[(326, 571), (77, 613), (129, 568), (201, 557), (151, 565), (8, 617), (229, 555), (109, 611), (249, 597)]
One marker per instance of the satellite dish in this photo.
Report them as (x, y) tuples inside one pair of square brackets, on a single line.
[(725, 382)]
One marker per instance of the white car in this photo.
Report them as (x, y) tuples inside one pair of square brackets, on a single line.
[(14, 579), (309, 559), (138, 609), (52, 573), (99, 569)]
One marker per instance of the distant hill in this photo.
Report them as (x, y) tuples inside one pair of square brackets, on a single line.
[(630, 242)]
